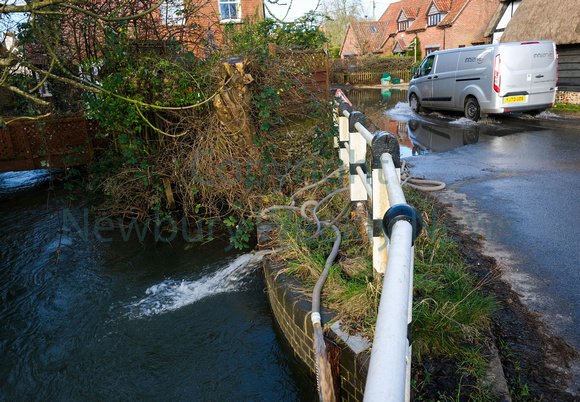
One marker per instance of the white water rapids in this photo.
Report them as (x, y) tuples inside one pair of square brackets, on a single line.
[(173, 294)]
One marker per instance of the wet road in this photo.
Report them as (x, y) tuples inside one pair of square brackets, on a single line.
[(517, 185), (513, 180)]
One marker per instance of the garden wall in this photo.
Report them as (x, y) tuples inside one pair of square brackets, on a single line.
[(568, 97)]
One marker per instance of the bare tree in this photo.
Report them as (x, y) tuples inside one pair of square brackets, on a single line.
[(340, 12), (55, 37)]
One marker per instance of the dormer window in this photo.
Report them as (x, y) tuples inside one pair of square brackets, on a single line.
[(433, 19), (434, 16), (404, 25), (404, 22)]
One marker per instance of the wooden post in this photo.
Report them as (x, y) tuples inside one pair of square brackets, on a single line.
[(357, 157), (343, 133)]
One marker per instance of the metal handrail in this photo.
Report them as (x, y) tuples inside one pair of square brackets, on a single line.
[(395, 227)]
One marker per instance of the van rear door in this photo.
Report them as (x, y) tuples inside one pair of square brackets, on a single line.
[(527, 68), (516, 72), (544, 66)]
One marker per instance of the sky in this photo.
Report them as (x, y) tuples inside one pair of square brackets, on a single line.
[(300, 7)]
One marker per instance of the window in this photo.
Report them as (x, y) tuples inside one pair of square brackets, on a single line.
[(43, 91), (230, 10), (433, 19), (426, 66), (172, 12), (431, 49), (404, 25), (373, 29)]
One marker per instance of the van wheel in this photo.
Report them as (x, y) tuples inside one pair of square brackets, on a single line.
[(414, 103), (472, 111)]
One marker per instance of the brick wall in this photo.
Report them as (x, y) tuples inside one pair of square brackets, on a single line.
[(568, 97), (469, 23), (292, 310)]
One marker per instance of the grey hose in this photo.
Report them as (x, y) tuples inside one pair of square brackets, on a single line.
[(323, 368)]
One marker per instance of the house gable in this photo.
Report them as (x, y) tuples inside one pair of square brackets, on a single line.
[(363, 37)]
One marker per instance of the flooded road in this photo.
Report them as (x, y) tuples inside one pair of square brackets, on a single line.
[(514, 181), (418, 134)]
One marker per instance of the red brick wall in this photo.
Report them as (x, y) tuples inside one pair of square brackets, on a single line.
[(350, 44), (208, 18), (470, 22)]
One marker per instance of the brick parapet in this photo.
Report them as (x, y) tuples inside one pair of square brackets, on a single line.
[(292, 310)]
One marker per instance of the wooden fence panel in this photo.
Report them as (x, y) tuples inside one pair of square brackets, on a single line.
[(370, 77), (54, 143)]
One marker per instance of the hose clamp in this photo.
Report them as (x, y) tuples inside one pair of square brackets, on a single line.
[(315, 317)]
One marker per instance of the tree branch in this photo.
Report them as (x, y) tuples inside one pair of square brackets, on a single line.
[(36, 6)]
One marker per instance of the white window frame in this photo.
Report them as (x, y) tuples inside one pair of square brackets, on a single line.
[(434, 19), (431, 49), (237, 3), (403, 25), (43, 90), (169, 16)]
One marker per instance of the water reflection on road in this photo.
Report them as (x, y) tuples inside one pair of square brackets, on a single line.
[(388, 110)]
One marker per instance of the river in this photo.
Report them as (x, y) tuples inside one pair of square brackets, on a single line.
[(101, 315)]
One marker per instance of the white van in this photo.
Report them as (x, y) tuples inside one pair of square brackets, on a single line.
[(494, 79)]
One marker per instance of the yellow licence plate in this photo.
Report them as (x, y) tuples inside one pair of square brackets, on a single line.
[(514, 99)]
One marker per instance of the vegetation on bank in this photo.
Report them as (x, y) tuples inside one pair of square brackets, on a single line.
[(451, 315), (567, 106)]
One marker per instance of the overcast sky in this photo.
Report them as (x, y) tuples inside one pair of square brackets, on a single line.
[(299, 7)]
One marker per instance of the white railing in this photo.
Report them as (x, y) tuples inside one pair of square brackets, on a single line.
[(395, 227)]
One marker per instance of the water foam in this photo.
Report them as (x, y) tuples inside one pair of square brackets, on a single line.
[(173, 294), (463, 121), (402, 111)]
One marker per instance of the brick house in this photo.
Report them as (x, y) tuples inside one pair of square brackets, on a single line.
[(439, 24), (363, 37), (206, 16)]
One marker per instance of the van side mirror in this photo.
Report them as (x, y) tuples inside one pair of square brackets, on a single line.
[(415, 72)]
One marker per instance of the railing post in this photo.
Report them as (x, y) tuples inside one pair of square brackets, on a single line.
[(343, 132), (383, 142), (358, 147)]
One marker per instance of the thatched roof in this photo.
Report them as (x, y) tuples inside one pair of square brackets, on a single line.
[(557, 20)]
